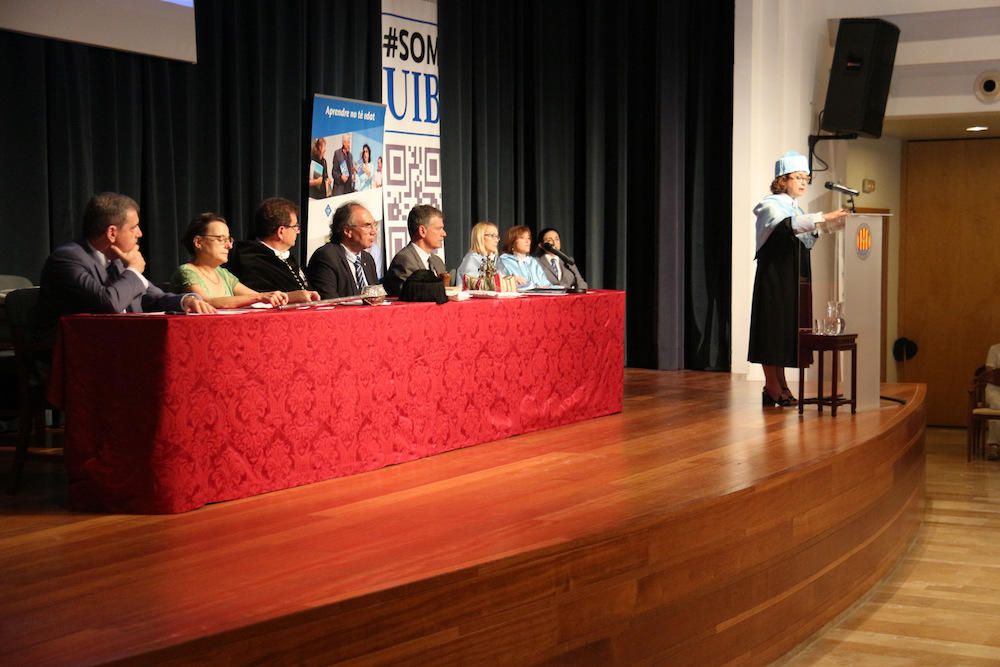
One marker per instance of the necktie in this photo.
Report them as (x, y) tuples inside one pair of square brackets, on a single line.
[(113, 275), (555, 267), (359, 275)]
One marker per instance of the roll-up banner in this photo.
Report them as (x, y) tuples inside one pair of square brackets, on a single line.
[(413, 123), (346, 165)]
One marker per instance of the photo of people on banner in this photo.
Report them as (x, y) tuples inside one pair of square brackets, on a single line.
[(345, 165)]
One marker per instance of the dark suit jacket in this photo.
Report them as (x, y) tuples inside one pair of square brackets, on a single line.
[(259, 268), (342, 188), (332, 276), (403, 264), (74, 281), (570, 274)]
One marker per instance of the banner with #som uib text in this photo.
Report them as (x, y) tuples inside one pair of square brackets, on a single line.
[(413, 114)]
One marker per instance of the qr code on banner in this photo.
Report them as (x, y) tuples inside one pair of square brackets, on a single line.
[(413, 176)]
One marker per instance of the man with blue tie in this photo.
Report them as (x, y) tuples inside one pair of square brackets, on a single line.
[(557, 271), (344, 267), (102, 272)]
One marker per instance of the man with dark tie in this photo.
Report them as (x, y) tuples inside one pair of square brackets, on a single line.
[(266, 263), (557, 271), (344, 267), (425, 225), (102, 272)]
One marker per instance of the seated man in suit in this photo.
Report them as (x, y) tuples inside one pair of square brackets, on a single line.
[(556, 270), (266, 263), (102, 272), (343, 267), (426, 227)]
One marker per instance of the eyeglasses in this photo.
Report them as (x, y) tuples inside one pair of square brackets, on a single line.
[(804, 179), (218, 237), (491, 236), (295, 226), (371, 227)]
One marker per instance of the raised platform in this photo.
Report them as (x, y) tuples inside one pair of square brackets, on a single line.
[(693, 528)]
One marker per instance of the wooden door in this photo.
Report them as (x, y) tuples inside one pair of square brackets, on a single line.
[(949, 280)]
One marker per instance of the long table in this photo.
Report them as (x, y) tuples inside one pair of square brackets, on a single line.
[(165, 413)]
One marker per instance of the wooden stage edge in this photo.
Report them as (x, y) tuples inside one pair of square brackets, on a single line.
[(694, 528)]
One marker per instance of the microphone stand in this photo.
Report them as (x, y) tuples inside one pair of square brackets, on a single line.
[(567, 260), (850, 202)]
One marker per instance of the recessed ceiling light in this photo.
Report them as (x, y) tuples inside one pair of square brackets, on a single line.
[(977, 128)]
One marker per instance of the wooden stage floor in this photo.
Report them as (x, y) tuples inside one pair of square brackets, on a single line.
[(693, 528)]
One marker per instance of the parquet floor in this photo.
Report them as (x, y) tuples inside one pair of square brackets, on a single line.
[(941, 605)]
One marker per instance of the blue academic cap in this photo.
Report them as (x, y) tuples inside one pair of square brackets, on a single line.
[(791, 162)]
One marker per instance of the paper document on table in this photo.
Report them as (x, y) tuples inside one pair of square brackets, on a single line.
[(488, 294), (545, 291)]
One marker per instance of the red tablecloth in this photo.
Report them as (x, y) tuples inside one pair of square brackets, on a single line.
[(167, 413)]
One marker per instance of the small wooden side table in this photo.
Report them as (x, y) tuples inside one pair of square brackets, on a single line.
[(820, 343)]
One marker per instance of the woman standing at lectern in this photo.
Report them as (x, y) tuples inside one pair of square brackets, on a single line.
[(785, 234)]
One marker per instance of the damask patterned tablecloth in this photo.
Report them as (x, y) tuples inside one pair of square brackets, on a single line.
[(167, 413)]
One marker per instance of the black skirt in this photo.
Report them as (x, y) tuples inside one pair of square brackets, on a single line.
[(782, 300)]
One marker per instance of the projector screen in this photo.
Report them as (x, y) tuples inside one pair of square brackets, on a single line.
[(162, 28)]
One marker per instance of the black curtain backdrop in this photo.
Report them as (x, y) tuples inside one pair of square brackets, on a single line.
[(609, 121), (613, 123), (179, 138)]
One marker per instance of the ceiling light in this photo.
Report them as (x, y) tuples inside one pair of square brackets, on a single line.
[(977, 128)]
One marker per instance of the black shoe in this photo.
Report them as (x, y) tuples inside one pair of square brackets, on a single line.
[(787, 395), (768, 402)]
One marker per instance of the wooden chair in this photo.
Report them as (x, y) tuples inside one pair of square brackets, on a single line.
[(980, 413), (32, 359)]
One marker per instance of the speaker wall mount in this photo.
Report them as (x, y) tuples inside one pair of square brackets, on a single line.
[(860, 75)]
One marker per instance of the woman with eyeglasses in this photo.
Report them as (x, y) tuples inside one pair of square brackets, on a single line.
[(482, 250), (207, 239), (782, 297)]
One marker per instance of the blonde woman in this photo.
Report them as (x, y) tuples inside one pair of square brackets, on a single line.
[(207, 239), (485, 239)]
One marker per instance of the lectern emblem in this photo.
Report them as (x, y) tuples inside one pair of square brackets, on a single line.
[(863, 241)]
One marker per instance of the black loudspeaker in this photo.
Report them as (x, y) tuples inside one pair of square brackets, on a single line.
[(860, 76)]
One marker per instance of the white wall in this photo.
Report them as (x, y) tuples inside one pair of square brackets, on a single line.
[(782, 54)]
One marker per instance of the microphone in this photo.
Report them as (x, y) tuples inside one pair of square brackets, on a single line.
[(837, 187), (549, 248)]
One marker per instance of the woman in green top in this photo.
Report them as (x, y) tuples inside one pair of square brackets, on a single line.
[(207, 239)]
